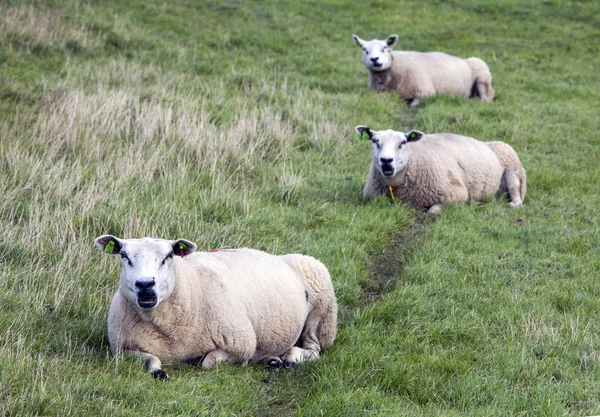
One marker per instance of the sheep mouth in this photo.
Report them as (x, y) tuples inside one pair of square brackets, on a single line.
[(147, 300), (387, 170)]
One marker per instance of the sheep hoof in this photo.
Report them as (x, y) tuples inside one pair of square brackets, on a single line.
[(515, 204), (160, 374), (274, 363)]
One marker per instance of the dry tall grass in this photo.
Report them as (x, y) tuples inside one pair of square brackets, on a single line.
[(26, 24)]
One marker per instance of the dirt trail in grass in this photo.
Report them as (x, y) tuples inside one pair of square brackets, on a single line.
[(386, 272)]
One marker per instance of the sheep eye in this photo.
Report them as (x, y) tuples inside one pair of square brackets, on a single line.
[(169, 256), (124, 256), (402, 144)]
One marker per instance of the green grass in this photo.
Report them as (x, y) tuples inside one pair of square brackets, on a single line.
[(231, 124)]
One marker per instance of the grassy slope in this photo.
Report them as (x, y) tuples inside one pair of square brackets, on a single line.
[(231, 124)]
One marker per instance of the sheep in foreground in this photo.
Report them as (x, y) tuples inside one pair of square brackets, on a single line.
[(431, 170), (174, 305), (414, 75)]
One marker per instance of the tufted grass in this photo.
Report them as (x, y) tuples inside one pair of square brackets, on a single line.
[(231, 124)]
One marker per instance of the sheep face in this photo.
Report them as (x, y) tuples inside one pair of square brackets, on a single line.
[(377, 54), (389, 148), (147, 276)]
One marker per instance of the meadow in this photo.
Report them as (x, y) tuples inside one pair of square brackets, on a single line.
[(231, 123)]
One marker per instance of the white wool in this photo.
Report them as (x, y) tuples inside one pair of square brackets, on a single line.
[(236, 305), (429, 171), (415, 75)]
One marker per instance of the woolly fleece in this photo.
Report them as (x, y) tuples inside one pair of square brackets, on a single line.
[(415, 75), (446, 168), (233, 305)]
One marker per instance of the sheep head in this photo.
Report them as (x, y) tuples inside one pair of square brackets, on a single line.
[(377, 54), (147, 276), (389, 148)]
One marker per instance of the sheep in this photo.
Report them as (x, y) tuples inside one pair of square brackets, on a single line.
[(175, 305), (431, 170), (414, 75)]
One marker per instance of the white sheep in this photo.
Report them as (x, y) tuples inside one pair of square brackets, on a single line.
[(174, 305), (431, 170), (414, 75)]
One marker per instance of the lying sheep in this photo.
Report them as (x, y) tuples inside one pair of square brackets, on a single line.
[(414, 75), (431, 170), (174, 305)]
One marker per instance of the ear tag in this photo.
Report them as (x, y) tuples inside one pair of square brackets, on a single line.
[(110, 247), (363, 136), (182, 247), (413, 135)]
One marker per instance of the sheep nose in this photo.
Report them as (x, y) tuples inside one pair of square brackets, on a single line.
[(386, 160), (375, 58), (144, 284)]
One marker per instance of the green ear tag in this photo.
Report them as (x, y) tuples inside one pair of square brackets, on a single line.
[(413, 135), (110, 247), (182, 247), (363, 136)]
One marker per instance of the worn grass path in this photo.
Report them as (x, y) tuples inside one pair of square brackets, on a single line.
[(231, 124)]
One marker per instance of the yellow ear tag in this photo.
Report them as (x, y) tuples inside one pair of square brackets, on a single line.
[(392, 193)]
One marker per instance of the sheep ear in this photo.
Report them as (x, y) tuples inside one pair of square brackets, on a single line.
[(109, 244), (414, 135), (358, 40), (183, 247), (391, 40), (362, 130)]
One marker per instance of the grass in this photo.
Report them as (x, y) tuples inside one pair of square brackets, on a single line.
[(231, 124)]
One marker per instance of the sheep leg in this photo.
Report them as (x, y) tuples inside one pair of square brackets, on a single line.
[(213, 357), (299, 355), (485, 90), (514, 188), (308, 347), (413, 102), (435, 209), (153, 364)]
